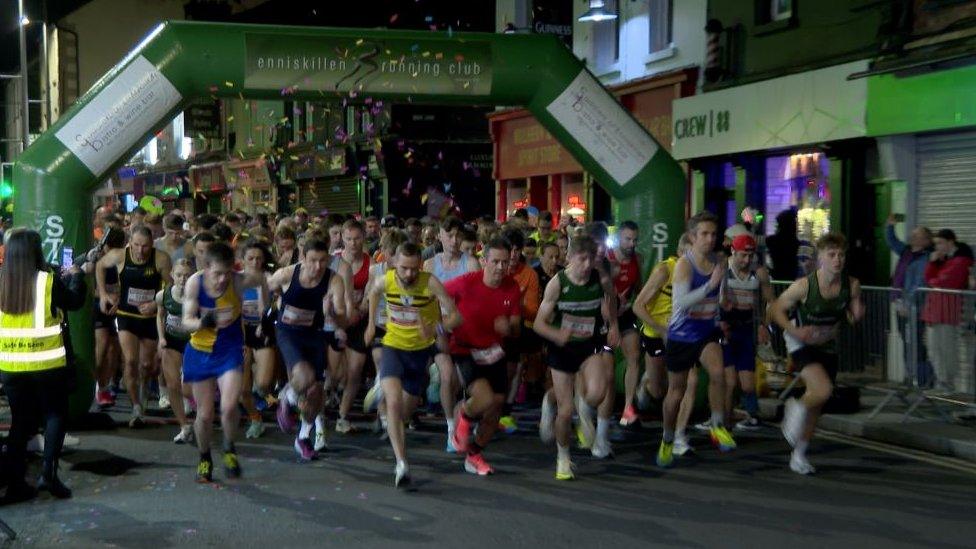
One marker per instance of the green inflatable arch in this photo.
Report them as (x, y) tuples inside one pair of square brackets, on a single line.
[(182, 61)]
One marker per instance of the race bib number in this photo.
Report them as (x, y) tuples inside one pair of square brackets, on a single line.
[(174, 323), (381, 316), (293, 316), (407, 317), (251, 310), (138, 296), (580, 327), (488, 356)]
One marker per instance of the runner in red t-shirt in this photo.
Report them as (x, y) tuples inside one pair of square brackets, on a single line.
[(489, 303)]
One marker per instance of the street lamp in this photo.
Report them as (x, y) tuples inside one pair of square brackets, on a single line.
[(597, 12)]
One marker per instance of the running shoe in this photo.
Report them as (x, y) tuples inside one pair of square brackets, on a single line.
[(586, 431), (401, 476), (373, 397), (508, 424), (794, 416), (547, 419), (705, 426), (462, 431), (232, 466), (135, 418), (163, 402), (476, 465), (800, 465), (601, 449), (185, 436), (343, 426), (665, 454), (449, 447), (564, 469), (320, 443), (681, 446), (286, 419), (629, 416), (643, 397), (105, 399), (255, 429), (303, 447), (748, 424), (205, 471), (722, 439)]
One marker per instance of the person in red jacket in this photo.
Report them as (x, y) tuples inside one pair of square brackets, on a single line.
[(948, 268)]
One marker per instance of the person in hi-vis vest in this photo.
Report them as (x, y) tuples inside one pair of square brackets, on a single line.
[(35, 358)]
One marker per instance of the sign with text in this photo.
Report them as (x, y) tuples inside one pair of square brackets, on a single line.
[(524, 149), (367, 65), (799, 109)]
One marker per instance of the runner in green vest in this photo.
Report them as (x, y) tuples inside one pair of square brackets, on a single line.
[(172, 342), (822, 300)]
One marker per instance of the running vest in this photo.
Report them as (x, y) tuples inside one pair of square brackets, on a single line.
[(579, 307), (111, 281), (743, 295), (698, 321), (405, 310), (301, 308), (251, 306), (228, 307), (139, 282), (626, 281), (818, 311), (32, 341), (359, 280), (660, 307), (443, 273), (173, 323)]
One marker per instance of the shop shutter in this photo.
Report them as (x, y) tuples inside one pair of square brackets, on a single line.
[(336, 196), (947, 183)]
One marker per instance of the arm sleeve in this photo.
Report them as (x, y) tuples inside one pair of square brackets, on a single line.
[(68, 293), (684, 298), (896, 245)]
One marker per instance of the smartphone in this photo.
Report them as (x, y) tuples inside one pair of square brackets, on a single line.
[(67, 257)]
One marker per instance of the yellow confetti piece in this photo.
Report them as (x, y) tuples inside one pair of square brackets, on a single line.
[(229, 84), (439, 55), (240, 95), (423, 198), (425, 54), (230, 118), (293, 157), (359, 42)]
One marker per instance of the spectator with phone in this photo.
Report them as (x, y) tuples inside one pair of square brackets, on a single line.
[(909, 275), (948, 268)]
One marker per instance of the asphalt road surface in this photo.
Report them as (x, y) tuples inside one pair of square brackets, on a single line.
[(137, 489)]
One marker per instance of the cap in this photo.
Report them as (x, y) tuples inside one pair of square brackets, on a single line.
[(744, 243), (388, 220), (736, 230)]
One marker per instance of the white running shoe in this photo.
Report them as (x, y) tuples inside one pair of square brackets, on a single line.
[(401, 477), (320, 443), (70, 441), (643, 397), (547, 419), (343, 426), (164, 402), (681, 446), (373, 397), (255, 429), (135, 418), (564, 469), (800, 465), (587, 431), (794, 416), (601, 449), (705, 426), (36, 443), (185, 436), (748, 424)]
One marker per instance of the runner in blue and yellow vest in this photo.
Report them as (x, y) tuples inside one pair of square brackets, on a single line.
[(35, 356)]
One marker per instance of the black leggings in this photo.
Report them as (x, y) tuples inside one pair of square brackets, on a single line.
[(35, 396)]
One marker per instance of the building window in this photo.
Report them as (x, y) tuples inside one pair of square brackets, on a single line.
[(780, 10), (660, 24), (606, 38)]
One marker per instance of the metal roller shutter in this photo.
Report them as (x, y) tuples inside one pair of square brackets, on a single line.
[(947, 183), (333, 195)]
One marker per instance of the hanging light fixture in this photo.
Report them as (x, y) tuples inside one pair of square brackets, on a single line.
[(597, 12)]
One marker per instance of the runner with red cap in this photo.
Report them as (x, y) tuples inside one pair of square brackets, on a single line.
[(746, 287)]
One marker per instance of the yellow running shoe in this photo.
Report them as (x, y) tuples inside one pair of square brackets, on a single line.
[(232, 467), (564, 469), (508, 424), (205, 471), (722, 439), (665, 454)]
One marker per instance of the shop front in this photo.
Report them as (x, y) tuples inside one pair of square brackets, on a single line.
[(249, 186), (324, 180), (207, 188), (532, 169), (792, 143)]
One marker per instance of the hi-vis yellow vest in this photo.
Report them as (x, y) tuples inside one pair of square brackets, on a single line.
[(406, 309), (32, 341)]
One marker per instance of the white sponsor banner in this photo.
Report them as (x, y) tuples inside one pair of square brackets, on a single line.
[(800, 109), (115, 119), (603, 128)]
